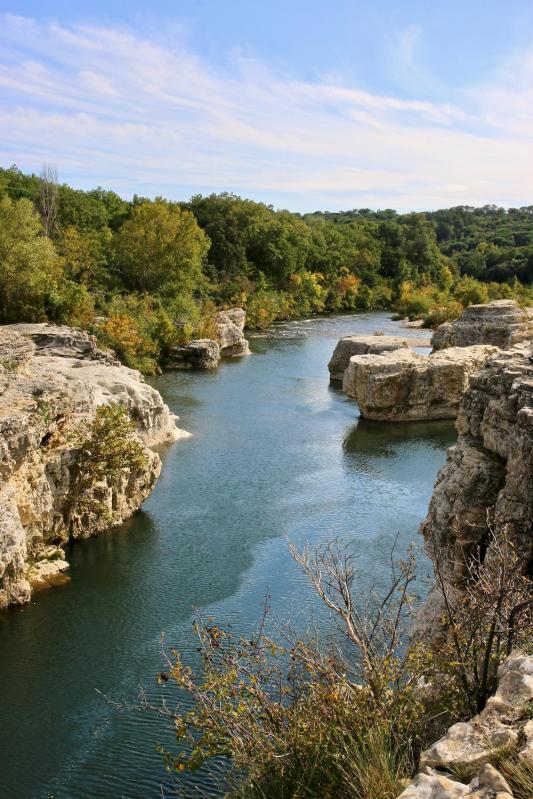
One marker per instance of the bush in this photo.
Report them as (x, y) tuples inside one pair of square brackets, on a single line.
[(469, 291), (294, 719), (108, 450)]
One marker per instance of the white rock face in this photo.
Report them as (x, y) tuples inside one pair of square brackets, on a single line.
[(230, 332), (489, 472), (46, 405), (475, 743), (360, 345), (501, 323), (405, 386)]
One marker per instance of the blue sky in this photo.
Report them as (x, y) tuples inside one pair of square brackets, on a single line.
[(399, 104)]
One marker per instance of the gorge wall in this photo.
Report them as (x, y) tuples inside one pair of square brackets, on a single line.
[(52, 380), (487, 480)]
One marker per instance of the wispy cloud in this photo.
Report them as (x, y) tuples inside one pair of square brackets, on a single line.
[(109, 106)]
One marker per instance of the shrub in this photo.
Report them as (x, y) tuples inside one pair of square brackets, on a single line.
[(469, 291), (108, 450), (295, 719)]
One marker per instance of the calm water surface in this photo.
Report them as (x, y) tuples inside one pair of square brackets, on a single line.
[(276, 454)]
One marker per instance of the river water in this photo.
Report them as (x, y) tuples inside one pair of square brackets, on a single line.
[(276, 455)]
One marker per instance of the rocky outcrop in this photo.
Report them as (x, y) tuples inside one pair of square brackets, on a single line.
[(501, 323), (47, 404), (63, 342), (205, 353), (405, 386), (471, 746), (360, 345), (488, 475), (202, 353), (230, 332)]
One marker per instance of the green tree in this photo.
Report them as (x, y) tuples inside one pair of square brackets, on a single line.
[(29, 267), (161, 249)]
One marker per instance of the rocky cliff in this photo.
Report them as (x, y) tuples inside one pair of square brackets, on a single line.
[(501, 323), (488, 475), (405, 386), (52, 379)]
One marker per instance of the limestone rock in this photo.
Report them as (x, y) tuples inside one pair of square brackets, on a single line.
[(46, 404), (405, 386), (230, 332), (63, 342), (205, 353), (527, 748), (202, 353), (469, 744), (489, 779), (501, 323), (434, 786), (476, 742), (473, 744), (360, 345), (489, 472)]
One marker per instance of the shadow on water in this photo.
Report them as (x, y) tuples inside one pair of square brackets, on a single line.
[(382, 438)]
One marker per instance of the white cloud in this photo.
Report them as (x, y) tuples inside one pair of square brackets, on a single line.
[(108, 106)]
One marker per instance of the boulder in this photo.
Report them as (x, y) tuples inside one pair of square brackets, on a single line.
[(47, 403), (405, 386), (501, 323), (202, 353), (434, 786), (469, 744), (360, 345), (230, 332)]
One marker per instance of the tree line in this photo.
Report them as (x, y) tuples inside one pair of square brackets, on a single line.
[(145, 275)]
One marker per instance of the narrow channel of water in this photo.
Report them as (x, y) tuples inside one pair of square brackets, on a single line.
[(276, 454)]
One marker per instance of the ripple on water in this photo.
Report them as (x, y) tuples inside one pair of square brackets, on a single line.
[(276, 455)]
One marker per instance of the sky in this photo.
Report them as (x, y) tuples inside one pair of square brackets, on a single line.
[(302, 105)]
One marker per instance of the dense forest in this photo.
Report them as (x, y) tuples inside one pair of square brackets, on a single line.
[(145, 275)]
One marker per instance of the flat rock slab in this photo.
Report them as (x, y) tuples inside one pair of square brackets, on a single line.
[(360, 345), (405, 386)]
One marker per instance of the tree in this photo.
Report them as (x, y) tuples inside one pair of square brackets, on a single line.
[(161, 249), (48, 198), (29, 267)]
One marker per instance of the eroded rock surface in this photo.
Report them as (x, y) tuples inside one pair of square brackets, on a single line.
[(489, 472), (230, 332), (202, 353), (360, 345), (47, 402), (474, 744), (501, 323), (405, 386)]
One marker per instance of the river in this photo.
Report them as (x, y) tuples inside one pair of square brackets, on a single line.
[(276, 454)]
